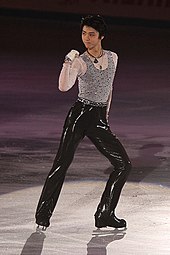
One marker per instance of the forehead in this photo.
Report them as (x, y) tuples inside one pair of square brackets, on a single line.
[(88, 29)]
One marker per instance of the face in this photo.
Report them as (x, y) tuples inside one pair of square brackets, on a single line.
[(90, 38)]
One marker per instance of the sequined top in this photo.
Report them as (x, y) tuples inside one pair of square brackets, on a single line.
[(95, 85), (83, 67)]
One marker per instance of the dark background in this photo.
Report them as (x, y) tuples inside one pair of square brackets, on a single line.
[(32, 110)]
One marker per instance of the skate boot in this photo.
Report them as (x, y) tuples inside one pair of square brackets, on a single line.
[(43, 219), (106, 219)]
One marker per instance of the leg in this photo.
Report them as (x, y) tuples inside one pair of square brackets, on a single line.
[(110, 146), (72, 135)]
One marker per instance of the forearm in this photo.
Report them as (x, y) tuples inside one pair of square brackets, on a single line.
[(69, 71), (65, 81), (108, 104)]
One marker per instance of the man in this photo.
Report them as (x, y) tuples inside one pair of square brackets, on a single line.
[(95, 71)]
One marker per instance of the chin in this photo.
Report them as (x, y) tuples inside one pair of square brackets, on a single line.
[(88, 46)]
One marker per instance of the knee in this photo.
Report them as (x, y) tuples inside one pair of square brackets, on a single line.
[(123, 166)]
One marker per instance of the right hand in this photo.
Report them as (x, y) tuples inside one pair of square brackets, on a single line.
[(72, 55)]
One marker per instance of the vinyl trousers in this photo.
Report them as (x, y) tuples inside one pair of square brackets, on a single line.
[(84, 120)]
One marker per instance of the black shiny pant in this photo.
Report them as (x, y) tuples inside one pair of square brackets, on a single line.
[(84, 120)]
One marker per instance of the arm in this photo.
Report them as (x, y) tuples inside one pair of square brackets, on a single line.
[(67, 77), (115, 60), (109, 104), (69, 72)]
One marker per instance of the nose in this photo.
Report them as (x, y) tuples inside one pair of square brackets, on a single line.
[(86, 37)]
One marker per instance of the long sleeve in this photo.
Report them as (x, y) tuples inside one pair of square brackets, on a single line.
[(115, 59), (69, 74), (109, 101)]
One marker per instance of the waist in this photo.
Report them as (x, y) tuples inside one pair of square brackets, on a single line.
[(92, 103)]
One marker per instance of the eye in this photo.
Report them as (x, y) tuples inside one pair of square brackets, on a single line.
[(91, 34)]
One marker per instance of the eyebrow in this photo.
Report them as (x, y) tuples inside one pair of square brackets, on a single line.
[(91, 32)]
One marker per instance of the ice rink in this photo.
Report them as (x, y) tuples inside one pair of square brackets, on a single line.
[(32, 113)]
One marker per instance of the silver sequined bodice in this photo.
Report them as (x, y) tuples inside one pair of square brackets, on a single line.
[(95, 85)]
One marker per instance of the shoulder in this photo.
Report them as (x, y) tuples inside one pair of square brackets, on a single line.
[(79, 64), (114, 56)]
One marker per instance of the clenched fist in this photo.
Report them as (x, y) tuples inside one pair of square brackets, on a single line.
[(72, 55)]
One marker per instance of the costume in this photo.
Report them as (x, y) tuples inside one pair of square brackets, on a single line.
[(87, 117)]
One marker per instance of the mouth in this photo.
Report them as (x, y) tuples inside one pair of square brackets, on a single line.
[(87, 44)]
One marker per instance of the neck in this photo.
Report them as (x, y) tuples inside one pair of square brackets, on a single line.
[(95, 54)]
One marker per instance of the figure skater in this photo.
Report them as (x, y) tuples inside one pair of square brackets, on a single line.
[(95, 70)]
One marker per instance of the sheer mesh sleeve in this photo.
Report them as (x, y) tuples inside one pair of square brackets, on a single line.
[(70, 72)]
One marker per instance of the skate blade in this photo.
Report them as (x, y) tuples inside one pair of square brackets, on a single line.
[(41, 228)]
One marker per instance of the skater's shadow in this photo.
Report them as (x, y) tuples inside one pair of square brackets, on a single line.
[(34, 244), (101, 239), (147, 161)]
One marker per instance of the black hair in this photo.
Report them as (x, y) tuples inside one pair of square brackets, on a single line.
[(96, 22)]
